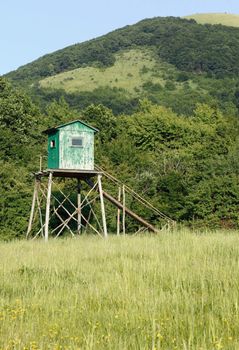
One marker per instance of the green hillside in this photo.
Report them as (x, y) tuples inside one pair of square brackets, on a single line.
[(131, 70), (225, 19), (169, 36), (171, 61)]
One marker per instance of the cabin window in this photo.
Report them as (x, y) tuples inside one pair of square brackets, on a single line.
[(53, 144), (77, 142)]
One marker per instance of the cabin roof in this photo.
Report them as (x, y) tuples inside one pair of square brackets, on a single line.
[(51, 130)]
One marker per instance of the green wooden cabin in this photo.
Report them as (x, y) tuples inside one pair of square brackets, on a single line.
[(71, 146)]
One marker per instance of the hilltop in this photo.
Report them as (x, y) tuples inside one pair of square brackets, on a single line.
[(171, 61), (225, 19)]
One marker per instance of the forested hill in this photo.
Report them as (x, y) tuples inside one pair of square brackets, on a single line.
[(184, 43), (171, 61)]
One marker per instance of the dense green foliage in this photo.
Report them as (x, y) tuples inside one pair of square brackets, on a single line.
[(116, 99), (19, 138), (186, 166)]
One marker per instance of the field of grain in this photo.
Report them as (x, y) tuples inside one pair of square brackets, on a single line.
[(171, 291)]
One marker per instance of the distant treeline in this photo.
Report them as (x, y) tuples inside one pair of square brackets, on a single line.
[(186, 166)]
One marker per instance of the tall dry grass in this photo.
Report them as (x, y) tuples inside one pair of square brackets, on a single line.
[(171, 291)]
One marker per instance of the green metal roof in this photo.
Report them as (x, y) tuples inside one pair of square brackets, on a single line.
[(51, 130)]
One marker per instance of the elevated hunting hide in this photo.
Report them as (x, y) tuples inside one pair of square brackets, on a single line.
[(71, 146)]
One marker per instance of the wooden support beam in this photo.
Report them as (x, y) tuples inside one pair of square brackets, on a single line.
[(40, 164), (63, 221), (130, 213), (95, 216), (32, 207), (93, 228), (123, 219), (127, 210), (88, 219), (48, 203), (40, 213), (78, 206), (102, 206), (118, 213)]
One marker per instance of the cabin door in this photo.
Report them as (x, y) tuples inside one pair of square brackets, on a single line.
[(53, 151)]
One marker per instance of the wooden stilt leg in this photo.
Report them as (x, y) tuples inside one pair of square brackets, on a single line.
[(118, 213), (123, 220), (48, 202), (39, 210), (78, 206), (32, 208), (102, 206)]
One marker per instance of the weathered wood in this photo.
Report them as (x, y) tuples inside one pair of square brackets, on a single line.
[(130, 213), (40, 213), (102, 206), (68, 173), (88, 202), (127, 210), (135, 195), (32, 208), (78, 206), (118, 213), (123, 218), (38, 232), (67, 197), (89, 216), (61, 204), (87, 195), (63, 221), (95, 216), (93, 228), (40, 164), (48, 202)]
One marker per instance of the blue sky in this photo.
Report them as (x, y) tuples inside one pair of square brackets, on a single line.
[(31, 28)]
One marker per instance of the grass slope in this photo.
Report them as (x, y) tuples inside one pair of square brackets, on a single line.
[(172, 291), (130, 71), (168, 36), (225, 19)]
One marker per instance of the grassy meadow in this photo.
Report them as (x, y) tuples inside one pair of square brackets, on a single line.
[(171, 291), (130, 71), (225, 19)]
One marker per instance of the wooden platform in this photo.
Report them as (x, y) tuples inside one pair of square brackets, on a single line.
[(71, 173)]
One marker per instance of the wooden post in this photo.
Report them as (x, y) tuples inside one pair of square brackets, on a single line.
[(102, 206), (123, 220), (118, 213), (130, 213), (48, 203), (39, 209), (78, 206), (32, 208), (40, 163)]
